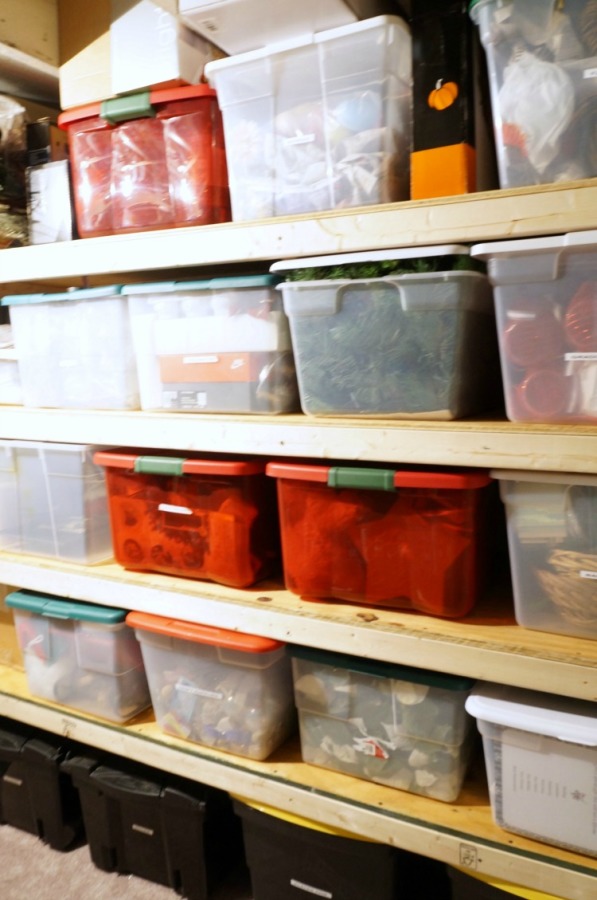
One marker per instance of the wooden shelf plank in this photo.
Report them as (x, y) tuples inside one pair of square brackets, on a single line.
[(491, 215), (448, 832), (486, 645), (27, 76), (474, 442)]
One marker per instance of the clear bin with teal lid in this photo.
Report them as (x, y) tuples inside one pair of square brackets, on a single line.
[(80, 655), (74, 348)]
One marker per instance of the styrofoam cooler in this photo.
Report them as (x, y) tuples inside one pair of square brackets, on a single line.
[(321, 122), (216, 345), (74, 349), (542, 58)]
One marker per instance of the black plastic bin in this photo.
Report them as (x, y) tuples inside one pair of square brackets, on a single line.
[(35, 793), (145, 822)]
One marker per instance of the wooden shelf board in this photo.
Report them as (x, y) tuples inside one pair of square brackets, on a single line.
[(487, 645), (27, 76), (448, 832), (491, 215)]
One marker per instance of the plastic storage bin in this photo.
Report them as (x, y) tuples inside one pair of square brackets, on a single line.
[(540, 755), (320, 123), (405, 333), (220, 345), (10, 379), (545, 293), (541, 59), (200, 518), (35, 795), (74, 349), (403, 727), (157, 826), (552, 539), (53, 501), (407, 539), (80, 655), (216, 687), (149, 160)]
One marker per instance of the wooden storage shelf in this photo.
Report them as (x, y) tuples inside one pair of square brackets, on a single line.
[(458, 834), (27, 76)]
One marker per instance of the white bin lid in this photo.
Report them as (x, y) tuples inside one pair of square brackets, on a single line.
[(564, 718), (339, 259), (567, 478), (578, 240)]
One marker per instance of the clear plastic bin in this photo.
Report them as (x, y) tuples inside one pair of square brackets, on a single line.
[(54, 501), (80, 655), (403, 727), (552, 539), (322, 122), (219, 688), (540, 755), (74, 349), (542, 59), (219, 345), (420, 342), (545, 292), (150, 160)]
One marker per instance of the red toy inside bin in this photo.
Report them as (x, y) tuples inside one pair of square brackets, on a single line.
[(155, 159), (199, 518), (407, 539)]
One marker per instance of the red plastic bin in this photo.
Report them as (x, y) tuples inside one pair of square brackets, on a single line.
[(155, 159), (199, 518), (407, 539)]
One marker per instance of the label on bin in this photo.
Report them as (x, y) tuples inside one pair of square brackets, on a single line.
[(171, 508), (590, 73), (584, 573), (318, 892)]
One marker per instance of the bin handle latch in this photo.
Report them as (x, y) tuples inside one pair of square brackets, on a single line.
[(131, 106), (368, 479)]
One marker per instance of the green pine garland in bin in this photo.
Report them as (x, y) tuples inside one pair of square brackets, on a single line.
[(374, 356)]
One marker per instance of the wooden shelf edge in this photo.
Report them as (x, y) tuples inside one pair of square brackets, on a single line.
[(441, 831)]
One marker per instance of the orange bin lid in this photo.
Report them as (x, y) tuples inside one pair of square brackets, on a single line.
[(363, 477), (202, 634), (173, 465), (154, 97)]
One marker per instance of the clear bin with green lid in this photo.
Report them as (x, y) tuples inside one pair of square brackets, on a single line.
[(403, 538), (394, 725), (215, 345), (405, 333), (199, 517), (80, 655), (217, 687), (74, 348)]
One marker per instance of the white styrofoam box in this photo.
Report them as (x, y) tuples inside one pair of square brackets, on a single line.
[(318, 123), (75, 349), (237, 26), (217, 345), (53, 501), (545, 292), (552, 539), (542, 64), (540, 756), (80, 655)]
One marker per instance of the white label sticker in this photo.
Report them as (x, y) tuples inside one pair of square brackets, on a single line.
[(590, 73), (586, 573), (580, 357), (189, 688), (200, 359), (142, 829), (169, 507), (318, 892)]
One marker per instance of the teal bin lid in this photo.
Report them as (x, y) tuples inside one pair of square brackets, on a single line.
[(72, 294), (208, 284), (383, 669), (56, 608)]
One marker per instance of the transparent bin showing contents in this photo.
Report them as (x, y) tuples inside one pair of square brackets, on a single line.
[(218, 345), (403, 727), (540, 755), (53, 501), (545, 292), (401, 538), (542, 59), (150, 160), (322, 122), (220, 688), (208, 518), (552, 540), (404, 333), (80, 655), (74, 349)]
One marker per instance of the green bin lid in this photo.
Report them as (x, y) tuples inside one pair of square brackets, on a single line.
[(208, 284), (57, 608), (72, 294)]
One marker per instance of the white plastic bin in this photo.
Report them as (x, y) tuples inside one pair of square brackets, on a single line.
[(552, 539), (319, 123), (545, 292), (542, 59), (540, 755), (10, 380), (53, 501), (74, 349)]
